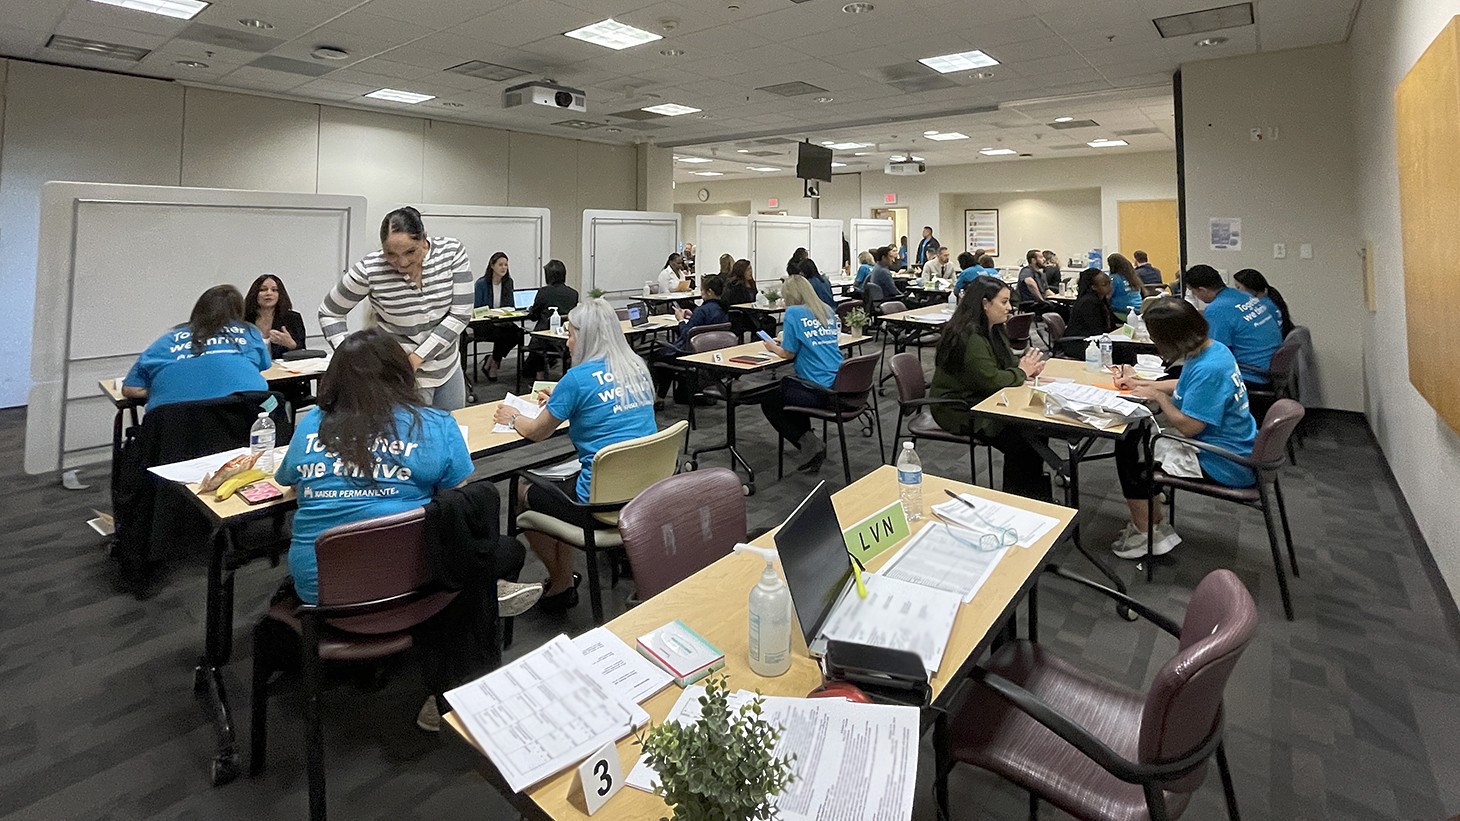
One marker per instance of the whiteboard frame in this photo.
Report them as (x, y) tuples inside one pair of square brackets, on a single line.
[(594, 218), (539, 220), (707, 257), (48, 406), (859, 231), (778, 265)]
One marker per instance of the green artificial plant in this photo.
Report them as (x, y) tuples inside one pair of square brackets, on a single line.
[(772, 295), (722, 767), (596, 293), (857, 319)]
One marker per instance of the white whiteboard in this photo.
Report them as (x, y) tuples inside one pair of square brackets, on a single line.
[(523, 234), (868, 234), (119, 264), (773, 239), (826, 245), (624, 249), (720, 235)]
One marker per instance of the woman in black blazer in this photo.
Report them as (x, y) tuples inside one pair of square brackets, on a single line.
[(494, 290), (1091, 314), (267, 305)]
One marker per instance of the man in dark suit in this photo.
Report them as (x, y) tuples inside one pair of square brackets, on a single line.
[(1149, 274), (928, 248)]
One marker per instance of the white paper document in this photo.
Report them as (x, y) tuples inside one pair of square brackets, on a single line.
[(525, 406), (543, 713), (945, 560), (1097, 407), (898, 615), (194, 470), (619, 666), (561, 470), (994, 517), (852, 761), (319, 364)]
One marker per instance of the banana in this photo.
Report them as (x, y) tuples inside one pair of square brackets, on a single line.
[(233, 483)]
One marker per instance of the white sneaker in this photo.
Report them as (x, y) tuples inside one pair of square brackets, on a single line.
[(1134, 545), (1124, 536), (429, 719), (516, 598)]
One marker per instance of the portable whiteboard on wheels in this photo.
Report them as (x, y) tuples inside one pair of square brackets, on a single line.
[(523, 234), (623, 249)]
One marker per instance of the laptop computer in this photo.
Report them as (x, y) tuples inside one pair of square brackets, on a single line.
[(638, 314), (815, 562), (524, 299)]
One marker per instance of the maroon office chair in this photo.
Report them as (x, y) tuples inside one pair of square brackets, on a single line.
[(733, 392), (680, 525), (1282, 384), (1096, 749), (848, 398), (913, 405), (1018, 327)]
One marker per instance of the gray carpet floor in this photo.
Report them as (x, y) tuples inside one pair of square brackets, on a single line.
[(1350, 712)]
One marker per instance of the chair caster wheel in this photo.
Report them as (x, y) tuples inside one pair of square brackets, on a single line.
[(747, 490), (1126, 613), (690, 465), (224, 769)]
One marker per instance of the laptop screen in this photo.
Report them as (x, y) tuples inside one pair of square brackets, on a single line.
[(637, 314), (814, 560), (524, 299)]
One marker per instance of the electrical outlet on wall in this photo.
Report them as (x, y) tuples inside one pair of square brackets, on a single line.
[(1279, 250), (1305, 250)]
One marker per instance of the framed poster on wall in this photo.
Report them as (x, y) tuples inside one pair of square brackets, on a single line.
[(981, 229)]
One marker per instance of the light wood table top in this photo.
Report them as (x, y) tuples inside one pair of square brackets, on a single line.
[(658, 322), (927, 315), (675, 296), (714, 602), (757, 348), (277, 372), (1020, 398)]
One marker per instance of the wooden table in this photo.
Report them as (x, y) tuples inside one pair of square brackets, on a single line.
[(1037, 428), (719, 367), (714, 603), (661, 302), (226, 517), (656, 324)]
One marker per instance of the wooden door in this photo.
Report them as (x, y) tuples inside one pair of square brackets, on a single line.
[(1150, 226)]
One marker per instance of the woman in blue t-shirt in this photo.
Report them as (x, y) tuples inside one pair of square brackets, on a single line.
[(607, 398), (1207, 403), (214, 354), (864, 267), (1129, 290), (819, 284), (809, 335)]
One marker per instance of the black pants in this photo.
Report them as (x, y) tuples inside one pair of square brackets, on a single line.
[(791, 426), (1135, 477), (1023, 467), (503, 338), (1261, 401), (664, 379)]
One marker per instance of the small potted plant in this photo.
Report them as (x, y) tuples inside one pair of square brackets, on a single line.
[(722, 767), (857, 319), (773, 296), (596, 293)]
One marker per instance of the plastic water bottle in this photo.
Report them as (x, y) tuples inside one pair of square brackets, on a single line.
[(1092, 357), (261, 442), (1107, 351), (770, 618), (910, 482), (952, 301), (555, 322)]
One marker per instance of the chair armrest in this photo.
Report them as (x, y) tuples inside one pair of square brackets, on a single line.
[(1145, 612), (585, 509), (928, 400), (1244, 461)]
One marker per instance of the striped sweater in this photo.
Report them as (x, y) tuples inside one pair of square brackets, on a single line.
[(427, 322)]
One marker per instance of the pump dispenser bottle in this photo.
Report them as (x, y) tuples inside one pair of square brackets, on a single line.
[(770, 618)]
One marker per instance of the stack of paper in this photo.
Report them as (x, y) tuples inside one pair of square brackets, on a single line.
[(898, 615), (939, 559), (194, 470), (995, 518), (319, 364), (851, 760), (1097, 407), (526, 407)]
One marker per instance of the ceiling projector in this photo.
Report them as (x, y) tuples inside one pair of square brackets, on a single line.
[(545, 93), (906, 168)]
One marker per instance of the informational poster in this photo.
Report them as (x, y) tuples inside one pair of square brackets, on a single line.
[(1226, 234), (981, 229)]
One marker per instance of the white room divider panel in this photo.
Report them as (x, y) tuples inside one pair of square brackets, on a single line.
[(524, 234), (623, 249), (720, 235), (772, 241), (826, 245), (869, 233)]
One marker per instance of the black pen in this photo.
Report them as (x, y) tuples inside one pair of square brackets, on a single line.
[(956, 497)]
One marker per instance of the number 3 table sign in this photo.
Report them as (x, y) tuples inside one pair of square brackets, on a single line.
[(600, 776)]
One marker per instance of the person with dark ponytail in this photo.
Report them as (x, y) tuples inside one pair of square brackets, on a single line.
[(1251, 281), (214, 354), (421, 290)]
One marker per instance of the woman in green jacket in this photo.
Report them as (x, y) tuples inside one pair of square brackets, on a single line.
[(974, 362)]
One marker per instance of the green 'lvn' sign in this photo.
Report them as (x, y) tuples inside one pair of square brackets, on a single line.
[(877, 532)]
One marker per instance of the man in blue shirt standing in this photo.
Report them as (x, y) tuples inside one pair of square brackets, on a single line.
[(928, 248), (1244, 323)]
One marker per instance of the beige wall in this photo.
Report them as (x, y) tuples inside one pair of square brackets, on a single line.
[(72, 124), (1294, 190), (1423, 452), (1066, 222)]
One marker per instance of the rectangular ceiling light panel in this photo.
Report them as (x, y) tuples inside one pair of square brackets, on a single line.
[(612, 34), (669, 109), (1197, 22), (180, 9), (963, 61), (793, 89), (396, 96), (483, 70), (947, 135), (100, 49)]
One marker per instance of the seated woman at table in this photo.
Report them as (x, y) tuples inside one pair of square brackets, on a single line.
[(807, 268), (555, 293), (1091, 314), (740, 290), (370, 448), (710, 311), (1127, 294), (1251, 281), (597, 418), (810, 338), (494, 290), (215, 353), (982, 266), (268, 307), (726, 263), (793, 265), (975, 361), (1208, 403), (864, 267)]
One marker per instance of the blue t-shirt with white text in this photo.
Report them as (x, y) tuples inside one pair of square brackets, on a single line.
[(230, 362), (1250, 326), (967, 275), (419, 457), (599, 414), (1211, 391), (817, 355), (862, 271)]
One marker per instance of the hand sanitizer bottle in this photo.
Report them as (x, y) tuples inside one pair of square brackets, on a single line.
[(770, 618), (555, 322), (1092, 356)]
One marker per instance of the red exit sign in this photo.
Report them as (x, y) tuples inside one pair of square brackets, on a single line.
[(773, 203), (889, 199)]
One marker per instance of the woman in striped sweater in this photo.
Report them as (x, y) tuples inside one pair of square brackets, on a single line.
[(420, 290)]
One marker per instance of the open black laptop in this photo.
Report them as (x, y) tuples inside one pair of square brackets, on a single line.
[(638, 314), (815, 562), (523, 299)]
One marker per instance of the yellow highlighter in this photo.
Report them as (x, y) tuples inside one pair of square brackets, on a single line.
[(857, 570)]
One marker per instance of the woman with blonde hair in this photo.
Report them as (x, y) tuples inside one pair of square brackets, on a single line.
[(607, 398), (726, 263), (809, 336)]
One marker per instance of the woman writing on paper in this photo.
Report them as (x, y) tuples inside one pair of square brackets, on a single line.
[(1208, 402), (809, 336), (597, 417), (975, 361), (213, 354), (494, 290), (268, 307), (420, 290)]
